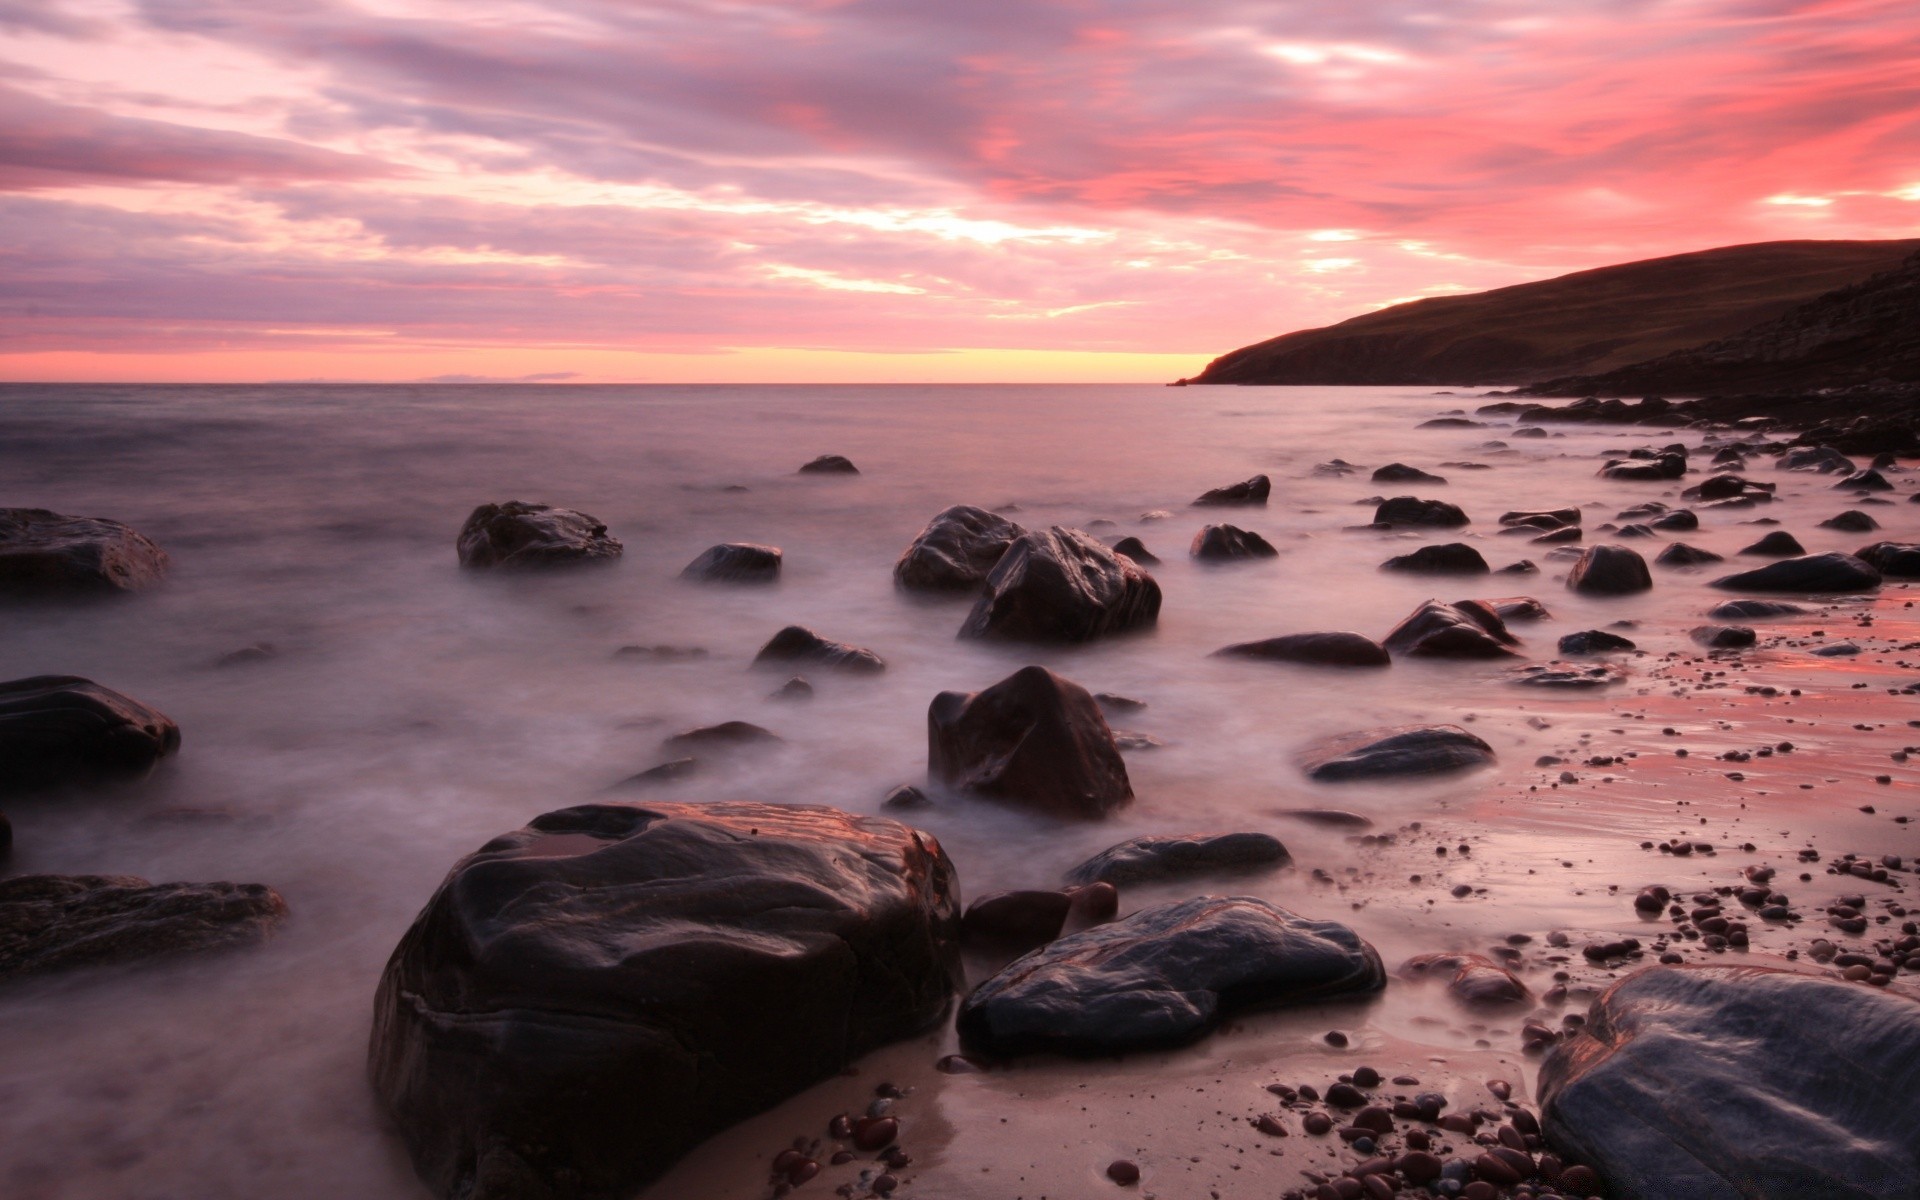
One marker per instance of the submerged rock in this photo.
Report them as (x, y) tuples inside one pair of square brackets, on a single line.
[(1724, 637), (1609, 571), (1851, 521), (1151, 859), (1164, 976), (1751, 610), (1549, 518), (588, 997), (1680, 520), (1252, 491), (44, 553), (1395, 751), (829, 464), (955, 551), (1566, 675), (1319, 649), (1666, 466), (1737, 1083), (1411, 510), (1815, 573), (798, 644), (1016, 921), (516, 534), (1895, 560), (1402, 473), (52, 922), (735, 562), (1220, 543), (1594, 641), (1778, 544), (1682, 555), (726, 735), (1033, 739), (58, 729), (1437, 630), (1472, 979), (1450, 558), (1136, 550), (1061, 585), (1824, 459)]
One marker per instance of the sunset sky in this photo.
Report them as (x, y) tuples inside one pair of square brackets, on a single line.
[(885, 189)]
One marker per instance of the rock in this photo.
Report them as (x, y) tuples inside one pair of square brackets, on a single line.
[(1724, 637), (1164, 976), (1824, 459), (796, 688), (1609, 571), (1136, 550), (669, 772), (1734, 1083), (1551, 518), (798, 644), (1635, 531), (44, 553), (60, 729), (906, 796), (1682, 555), (1667, 466), (1411, 510), (1729, 487), (829, 464), (726, 735), (1152, 859), (1778, 544), (1333, 818), (1109, 702), (1864, 481), (246, 656), (533, 535), (1219, 543), (735, 562), (1062, 586), (1503, 609), (1594, 641), (1566, 675), (51, 922), (1016, 921), (1852, 521), (1451, 423), (1436, 630), (1395, 751), (1402, 473), (1814, 573), (1524, 567), (1472, 979), (1751, 610), (955, 551), (1252, 492), (1895, 560), (1680, 520), (584, 999), (1565, 535), (1319, 649), (1451, 558), (1034, 739)]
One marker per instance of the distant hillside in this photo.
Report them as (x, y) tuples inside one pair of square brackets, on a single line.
[(1586, 323), (1867, 332)]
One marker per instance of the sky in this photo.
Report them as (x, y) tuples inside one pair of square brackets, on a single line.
[(885, 190)]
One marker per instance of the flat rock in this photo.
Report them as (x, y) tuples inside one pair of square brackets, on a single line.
[(1340, 649), (1332, 818), (1566, 675), (1753, 610), (1220, 543), (1395, 751), (1865, 481), (1833, 572), (1609, 571), (955, 551), (1411, 510), (829, 464), (44, 553), (1895, 560), (1450, 558), (52, 922), (1156, 858), (1062, 585), (1035, 740), (1724, 637), (1439, 630), (1164, 976), (1252, 491), (725, 735), (517, 534), (1402, 473), (735, 562), (796, 644), (1594, 641), (1738, 1083), (586, 998), (60, 729)]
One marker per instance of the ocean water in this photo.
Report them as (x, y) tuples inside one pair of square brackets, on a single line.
[(414, 710)]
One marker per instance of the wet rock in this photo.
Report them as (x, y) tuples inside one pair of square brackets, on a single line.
[(516, 534), (1864, 481), (1437, 630), (1594, 641), (246, 656), (44, 553), (1109, 702), (1895, 560), (1824, 459), (661, 775), (1451, 558), (1778, 544), (1680, 520), (1754, 610), (1666, 466), (1728, 1083), (1063, 586), (1507, 608), (660, 653), (829, 464), (724, 736), (1566, 675), (1852, 521), (1393, 752), (1682, 555), (53, 922), (1156, 858), (1565, 535), (796, 688), (798, 645), (587, 997), (1609, 571), (1815, 573), (1472, 979), (1332, 818), (955, 551), (1635, 531), (1016, 921), (1319, 649), (1724, 637), (1402, 473), (1550, 518), (735, 562), (906, 796), (1218, 543), (1729, 487), (1411, 510), (1253, 491), (62, 729), (1136, 550), (1033, 739), (1165, 975)]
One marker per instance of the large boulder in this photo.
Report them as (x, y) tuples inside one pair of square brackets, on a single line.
[(1033, 739), (57, 729), (1062, 585), (1609, 571), (1253, 491), (1834, 572), (1160, 857), (955, 551), (1411, 510), (44, 553), (1221, 543), (735, 562), (1438, 630), (51, 922), (1339, 649), (1741, 1083), (1164, 976), (796, 645), (515, 534), (1895, 560), (1450, 558), (1393, 752), (584, 999)]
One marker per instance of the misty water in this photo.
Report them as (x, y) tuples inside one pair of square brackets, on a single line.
[(415, 710)]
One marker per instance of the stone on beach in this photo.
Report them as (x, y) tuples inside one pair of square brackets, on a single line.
[(1035, 740), (1751, 610), (1161, 857), (1550, 518), (1778, 544), (1402, 473), (1061, 585), (1473, 979), (1339, 649), (955, 551), (1833, 572), (1450, 558), (52, 922), (1594, 641), (45, 553), (735, 562), (1851, 521), (1609, 571), (516, 534), (60, 729), (1438, 630), (1395, 751), (829, 464), (1411, 510), (1895, 560), (1136, 550), (1566, 675), (1682, 555), (1252, 492), (798, 644), (1221, 543)]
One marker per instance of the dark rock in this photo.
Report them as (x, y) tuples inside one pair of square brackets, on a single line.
[(1524, 567), (1165, 975), (533, 535), (1402, 473), (1864, 481), (44, 553), (796, 688), (1398, 750), (1609, 571), (1451, 558), (1814, 573), (1152, 859), (1507, 608), (1034, 739), (1667, 466), (955, 551), (1411, 510), (1852, 521), (1682, 555), (735, 562), (1751, 610), (1724, 637), (1472, 979), (1824, 459), (1109, 702), (59, 729), (670, 772), (1635, 531), (1436, 630), (1016, 921), (906, 796), (1136, 550), (1218, 543), (1728, 487), (1565, 535), (1552, 518), (1451, 423), (798, 644), (1334, 818), (51, 922), (584, 999), (1063, 586), (726, 735), (1778, 544), (1566, 675), (1594, 641), (1680, 520), (829, 464), (1320, 649), (1252, 491), (1734, 1083), (1896, 560)]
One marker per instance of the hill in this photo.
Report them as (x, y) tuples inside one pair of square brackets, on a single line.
[(1586, 323)]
